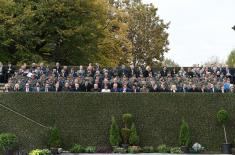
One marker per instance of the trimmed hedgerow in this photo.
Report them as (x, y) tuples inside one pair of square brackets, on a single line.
[(84, 118)]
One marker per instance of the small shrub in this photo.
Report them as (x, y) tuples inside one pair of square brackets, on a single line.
[(197, 148), (127, 119), (223, 117), (119, 150), (134, 149), (175, 150), (134, 138), (77, 149), (114, 133), (40, 152), (54, 138), (7, 141), (148, 149), (184, 134), (90, 149), (163, 149), (125, 135)]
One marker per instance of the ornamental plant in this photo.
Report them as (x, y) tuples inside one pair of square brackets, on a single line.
[(77, 149), (134, 138), (125, 135), (40, 152), (184, 136), (7, 141), (223, 117), (54, 138), (114, 134), (127, 119)]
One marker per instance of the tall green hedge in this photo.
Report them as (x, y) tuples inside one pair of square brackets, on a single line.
[(84, 118)]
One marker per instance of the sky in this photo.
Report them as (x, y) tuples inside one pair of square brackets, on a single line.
[(199, 29)]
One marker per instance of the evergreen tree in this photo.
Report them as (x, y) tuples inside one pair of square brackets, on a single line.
[(114, 134), (134, 138)]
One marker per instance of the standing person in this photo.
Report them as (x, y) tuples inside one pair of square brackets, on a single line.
[(9, 72), (1, 73)]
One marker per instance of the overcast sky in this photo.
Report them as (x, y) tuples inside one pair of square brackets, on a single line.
[(199, 29)]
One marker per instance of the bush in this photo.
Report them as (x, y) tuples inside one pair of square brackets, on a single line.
[(175, 150), (127, 119), (54, 138), (119, 150), (184, 136), (7, 141), (163, 149), (148, 149), (134, 149), (223, 117), (125, 135), (114, 133), (40, 152), (77, 149), (90, 149), (134, 138)]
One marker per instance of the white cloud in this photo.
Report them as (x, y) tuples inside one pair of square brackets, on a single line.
[(199, 29)]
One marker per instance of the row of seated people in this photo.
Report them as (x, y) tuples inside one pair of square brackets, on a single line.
[(39, 78)]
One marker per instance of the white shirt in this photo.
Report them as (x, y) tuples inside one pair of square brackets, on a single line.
[(105, 91)]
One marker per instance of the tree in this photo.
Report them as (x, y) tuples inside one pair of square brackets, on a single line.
[(170, 63), (223, 117), (231, 59), (147, 33), (134, 138), (184, 136), (114, 134)]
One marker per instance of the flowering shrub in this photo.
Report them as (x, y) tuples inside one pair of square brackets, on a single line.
[(197, 148)]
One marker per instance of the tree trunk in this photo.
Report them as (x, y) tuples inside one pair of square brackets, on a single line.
[(225, 134)]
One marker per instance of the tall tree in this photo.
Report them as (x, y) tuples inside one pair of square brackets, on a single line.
[(231, 59), (147, 33)]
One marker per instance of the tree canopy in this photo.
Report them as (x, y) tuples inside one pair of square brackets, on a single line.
[(76, 32), (231, 59)]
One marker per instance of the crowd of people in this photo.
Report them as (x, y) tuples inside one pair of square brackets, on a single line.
[(93, 78)]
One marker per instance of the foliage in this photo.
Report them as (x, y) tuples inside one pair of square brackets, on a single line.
[(148, 149), (125, 135), (119, 150), (114, 133), (222, 116), (175, 150), (79, 111), (134, 138), (127, 119), (77, 149), (76, 32), (90, 149), (231, 59), (134, 149), (184, 136), (7, 140), (197, 148), (170, 63), (40, 152), (54, 138), (147, 33), (163, 149)]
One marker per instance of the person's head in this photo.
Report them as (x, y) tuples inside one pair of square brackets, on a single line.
[(57, 85), (124, 85), (132, 66), (81, 67), (95, 86), (27, 85), (57, 64), (47, 85), (115, 85), (77, 85), (17, 86), (37, 84), (105, 86), (66, 85)]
